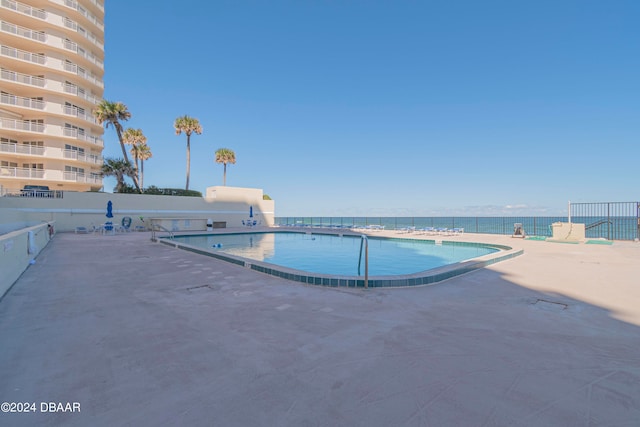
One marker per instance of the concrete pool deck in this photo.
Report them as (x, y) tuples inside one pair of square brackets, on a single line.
[(140, 333)]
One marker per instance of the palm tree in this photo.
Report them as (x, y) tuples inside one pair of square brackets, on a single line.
[(224, 156), (111, 113), (118, 168), (135, 138), (188, 125), (144, 153)]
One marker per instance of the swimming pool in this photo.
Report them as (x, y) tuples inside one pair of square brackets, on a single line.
[(334, 259)]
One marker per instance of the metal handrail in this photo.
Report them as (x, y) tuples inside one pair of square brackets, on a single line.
[(364, 242), (598, 223), (162, 228)]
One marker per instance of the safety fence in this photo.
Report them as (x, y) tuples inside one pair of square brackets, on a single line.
[(609, 220), (612, 221)]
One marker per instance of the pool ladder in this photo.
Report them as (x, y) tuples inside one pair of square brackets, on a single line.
[(158, 227), (364, 242)]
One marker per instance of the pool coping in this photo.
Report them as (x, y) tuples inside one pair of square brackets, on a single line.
[(421, 278)]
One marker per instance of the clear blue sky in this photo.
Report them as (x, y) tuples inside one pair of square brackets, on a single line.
[(386, 108)]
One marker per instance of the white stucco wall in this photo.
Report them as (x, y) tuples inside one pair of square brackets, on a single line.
[(75, 209), (16, 253)]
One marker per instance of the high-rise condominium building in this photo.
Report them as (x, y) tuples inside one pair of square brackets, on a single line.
[(52, 63)]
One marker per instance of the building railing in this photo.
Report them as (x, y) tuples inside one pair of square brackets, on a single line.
[(73, 47), (23, 8), (21, 125), (20, 101), (73, 25), (73, 68), (47, 194), (76, 155), (75, 112), (12, 52), (41, 82), (37, 150), (17, 30), (7, 147), (21, 78), (74, 133), (75, 90), (622, 227), (74, 5), (82, 177), (12, 172)]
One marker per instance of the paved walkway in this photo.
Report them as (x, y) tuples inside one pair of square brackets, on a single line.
[(138, 333)]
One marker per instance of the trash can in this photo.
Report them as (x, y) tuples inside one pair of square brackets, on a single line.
[(209, 224)]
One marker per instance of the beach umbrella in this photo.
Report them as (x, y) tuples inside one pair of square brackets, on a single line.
[(109, 209), (250, 211)]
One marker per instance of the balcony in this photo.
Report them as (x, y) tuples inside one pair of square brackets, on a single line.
[(10, 172), (75, 112), (74, 133), (36, 58), (73, 68), (82, 157), (22, 31), (75, 90), (6, 147), (23, 8), (50, 175), (50, 153), (73, 47), (82, 11), (82, 177), (25, 125), (42, 83), (52, 130), (21, 78), (19, 101), (73, 25)]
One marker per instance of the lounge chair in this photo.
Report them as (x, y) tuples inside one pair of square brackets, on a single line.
[(82, 230), (126, 224), (410, 229), (426, 230)]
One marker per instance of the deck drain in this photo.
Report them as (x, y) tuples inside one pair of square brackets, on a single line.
[(543, 303)]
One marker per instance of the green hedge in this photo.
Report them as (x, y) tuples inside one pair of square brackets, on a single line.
[(162, 191)]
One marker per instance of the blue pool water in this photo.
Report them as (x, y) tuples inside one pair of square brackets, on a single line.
[(338, 255)]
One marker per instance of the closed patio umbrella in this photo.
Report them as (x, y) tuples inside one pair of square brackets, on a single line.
[(109, 209)]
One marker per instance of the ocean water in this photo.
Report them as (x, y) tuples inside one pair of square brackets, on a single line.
[(597, 226)]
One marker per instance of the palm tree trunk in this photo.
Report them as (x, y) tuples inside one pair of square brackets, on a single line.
[(224, 176), (135, 157), (188, 160), (124, 153), (141, 173)]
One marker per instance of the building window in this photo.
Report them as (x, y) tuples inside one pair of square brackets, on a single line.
[(75, 128), (34, 143), (74, 169), (73, 148), (70, 108)]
